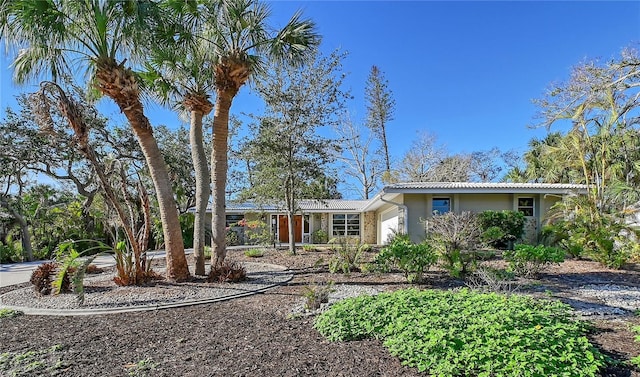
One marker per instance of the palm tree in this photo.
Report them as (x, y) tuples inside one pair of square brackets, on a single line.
[(102, 36), (183, 76), (241, 41)]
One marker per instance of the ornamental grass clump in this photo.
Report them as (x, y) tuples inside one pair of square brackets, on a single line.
[(468, 333)]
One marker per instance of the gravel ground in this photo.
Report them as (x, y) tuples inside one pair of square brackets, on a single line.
[(102, 293)]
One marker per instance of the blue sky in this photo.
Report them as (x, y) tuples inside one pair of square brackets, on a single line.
[(464, 71)]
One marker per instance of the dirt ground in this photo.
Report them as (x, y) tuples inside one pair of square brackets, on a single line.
[(257, 335)]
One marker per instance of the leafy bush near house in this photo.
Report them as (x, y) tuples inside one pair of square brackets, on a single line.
[(455, 238), (256, 232), (529, 260), (557, 235), (467, 333), (605, 240), (412, 259), (319, 236), (500, 229), (231, 237)]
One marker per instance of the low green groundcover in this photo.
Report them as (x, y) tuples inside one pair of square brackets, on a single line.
[(467, 333)]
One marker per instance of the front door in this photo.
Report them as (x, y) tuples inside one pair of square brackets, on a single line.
[(526, 205), (283, 228)]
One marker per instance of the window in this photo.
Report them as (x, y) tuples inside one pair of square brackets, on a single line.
[(525, 205), (306, 224), (440, 205), (346, 224), (232, 220)]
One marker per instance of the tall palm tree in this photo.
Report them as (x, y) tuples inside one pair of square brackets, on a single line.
[(183, 77), (103, 36), (241, 41)]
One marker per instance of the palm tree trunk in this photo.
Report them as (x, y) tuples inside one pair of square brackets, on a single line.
[(177, 268), (202, 189), (219, 167), (120, 85)]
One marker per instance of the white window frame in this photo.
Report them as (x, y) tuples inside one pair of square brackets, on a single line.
[(345, 226), (532, 206)]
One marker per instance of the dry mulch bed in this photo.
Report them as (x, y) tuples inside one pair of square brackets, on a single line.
[(257, 336)]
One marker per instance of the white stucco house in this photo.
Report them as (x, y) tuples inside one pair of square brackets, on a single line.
[(403, 206)]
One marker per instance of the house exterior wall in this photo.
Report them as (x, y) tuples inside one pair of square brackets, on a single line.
[(546, 202), (477, 203), (369, 227), (324, 223), (418, 206)]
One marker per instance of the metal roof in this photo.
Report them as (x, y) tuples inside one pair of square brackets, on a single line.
[(308, 206), (393, 190), (475, 186)]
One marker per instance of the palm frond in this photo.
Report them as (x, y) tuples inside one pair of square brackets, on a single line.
[(295, 41)]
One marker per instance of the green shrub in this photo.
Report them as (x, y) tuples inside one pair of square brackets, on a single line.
[(603, 237), (529, 260), (231, 237), (257, 232), (459, 263), (11, 251), (636, 360), (500, 229), (319, 236), (412, 259), (467, 333), (309, 248), (254, 253), (187, 223)]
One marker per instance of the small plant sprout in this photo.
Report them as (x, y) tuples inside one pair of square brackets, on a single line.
[(317, 294), (9, 313)]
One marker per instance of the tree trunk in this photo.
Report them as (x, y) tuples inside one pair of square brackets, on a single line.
[(383, 133), (219, 167), (25, 238), (120, 85), (202, 189), (292, 235), (177, 268)]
